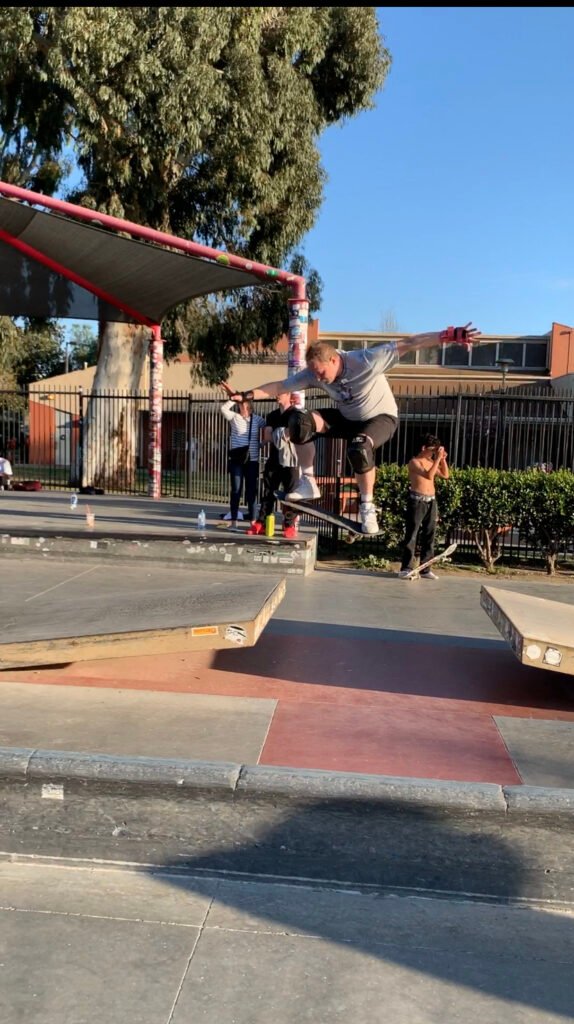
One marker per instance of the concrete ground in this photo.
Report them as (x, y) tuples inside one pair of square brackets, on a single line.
[(83, 944), (272, 880), (354, 672)]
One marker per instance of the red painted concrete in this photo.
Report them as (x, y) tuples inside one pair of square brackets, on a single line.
[(375, 673), (435, 745)]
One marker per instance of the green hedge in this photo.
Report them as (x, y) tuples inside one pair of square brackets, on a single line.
[(486, 503)]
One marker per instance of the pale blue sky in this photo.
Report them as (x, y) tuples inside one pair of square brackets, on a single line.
[(453, 199)]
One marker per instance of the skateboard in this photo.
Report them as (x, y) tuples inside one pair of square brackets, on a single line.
[(349, 527), (415, 573)]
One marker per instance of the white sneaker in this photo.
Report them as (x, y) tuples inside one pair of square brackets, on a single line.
[(404, 574), (368, 514), (306, 490), (227, 516), (428, 575)]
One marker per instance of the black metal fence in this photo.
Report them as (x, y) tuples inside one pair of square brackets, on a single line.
[(43, 433)]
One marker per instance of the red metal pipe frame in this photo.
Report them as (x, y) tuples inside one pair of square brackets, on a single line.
[(59, 268), (298, 303), (296, 283)]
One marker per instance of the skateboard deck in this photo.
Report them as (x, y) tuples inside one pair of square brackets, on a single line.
[(350, 527), (415, 573)]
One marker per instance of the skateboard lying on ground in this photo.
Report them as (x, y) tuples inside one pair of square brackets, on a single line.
[(350, 527), (415, 573)]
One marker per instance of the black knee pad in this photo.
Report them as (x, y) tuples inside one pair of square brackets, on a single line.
[(361, 453), (301, 426)]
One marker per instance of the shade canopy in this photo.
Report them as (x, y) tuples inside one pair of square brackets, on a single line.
[(145, 279)]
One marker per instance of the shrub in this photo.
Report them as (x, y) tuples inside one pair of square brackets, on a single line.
[(546, 512)]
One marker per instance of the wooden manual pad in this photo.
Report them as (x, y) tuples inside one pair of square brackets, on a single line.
[(128, 612), (540, 632)]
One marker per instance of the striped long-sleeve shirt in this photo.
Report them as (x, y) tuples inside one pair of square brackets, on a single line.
[(240, 429)]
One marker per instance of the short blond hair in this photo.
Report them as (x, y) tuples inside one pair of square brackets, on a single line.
[(321, 351)]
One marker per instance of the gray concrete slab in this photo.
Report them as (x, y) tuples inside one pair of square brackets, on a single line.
[(55, 612), (50, 512), (543, 751), (59, 969), (446, 612), (82, 945), (134, 723)]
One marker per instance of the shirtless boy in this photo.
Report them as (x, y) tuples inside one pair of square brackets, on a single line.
[(421, 517)]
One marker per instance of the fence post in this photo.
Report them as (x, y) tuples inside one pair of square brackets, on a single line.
[(188, 440), (81, 437), (335, 529), (454, 455)]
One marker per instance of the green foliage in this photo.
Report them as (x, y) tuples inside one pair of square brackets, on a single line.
[(204, 122), (82, 346), (372, 563), (30, 352), (390, 497), (486, 503), (486, 506), (545, 512)]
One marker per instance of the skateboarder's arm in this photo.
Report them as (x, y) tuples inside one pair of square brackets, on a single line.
[(298, 382), (466, 335)]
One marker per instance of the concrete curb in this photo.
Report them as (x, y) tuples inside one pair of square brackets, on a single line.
[(267, 782), (423, 835)]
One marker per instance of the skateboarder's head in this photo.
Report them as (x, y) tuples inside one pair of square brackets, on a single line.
[(324, 361)]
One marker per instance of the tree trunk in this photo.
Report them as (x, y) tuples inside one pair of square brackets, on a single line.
[(551, 563), (110, 426)]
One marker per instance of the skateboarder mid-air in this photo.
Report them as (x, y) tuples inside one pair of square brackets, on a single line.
[(365, 412), (421, 518)]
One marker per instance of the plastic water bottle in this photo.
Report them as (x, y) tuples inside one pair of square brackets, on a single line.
[(73, 501), (201, 522)]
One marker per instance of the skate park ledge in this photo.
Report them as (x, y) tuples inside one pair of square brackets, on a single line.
[(216, 550)]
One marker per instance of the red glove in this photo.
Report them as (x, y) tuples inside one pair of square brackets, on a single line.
[(466, 336)]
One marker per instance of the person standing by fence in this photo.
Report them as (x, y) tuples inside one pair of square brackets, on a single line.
[(243, 457), (421, 518)]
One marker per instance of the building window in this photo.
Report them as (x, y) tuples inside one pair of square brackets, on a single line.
[(430, 356), (456, 355), (536, 355), (511, 350), (483, 355)]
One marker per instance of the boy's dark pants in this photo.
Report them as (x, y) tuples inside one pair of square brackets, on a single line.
[(421, 516)]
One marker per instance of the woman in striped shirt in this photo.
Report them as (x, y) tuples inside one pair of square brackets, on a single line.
[(243, 464)]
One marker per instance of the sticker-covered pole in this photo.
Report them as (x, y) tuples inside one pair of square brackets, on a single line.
[(155, 412)]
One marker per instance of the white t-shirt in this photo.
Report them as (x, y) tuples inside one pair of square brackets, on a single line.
[(240, 429), (361, 391), (5, 467)]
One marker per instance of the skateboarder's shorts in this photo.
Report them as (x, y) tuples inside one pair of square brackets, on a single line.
[(380, 428)]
